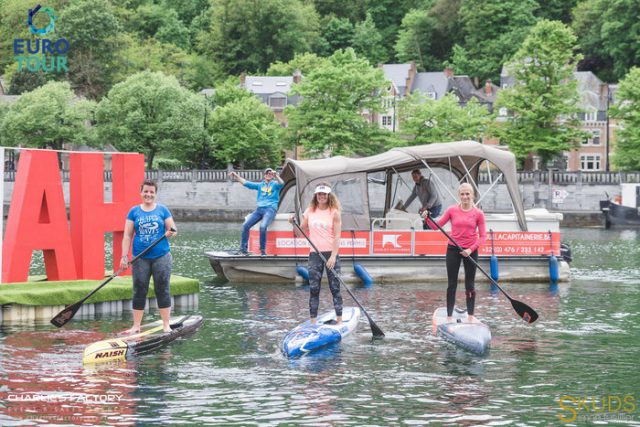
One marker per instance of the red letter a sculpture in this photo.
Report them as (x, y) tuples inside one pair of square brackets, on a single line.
[(37, 220)]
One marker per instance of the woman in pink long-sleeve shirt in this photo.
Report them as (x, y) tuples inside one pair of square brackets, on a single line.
[(468, 230)]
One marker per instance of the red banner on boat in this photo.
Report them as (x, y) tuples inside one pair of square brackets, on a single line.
[(507, 243)]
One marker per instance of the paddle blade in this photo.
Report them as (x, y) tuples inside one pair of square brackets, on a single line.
[(376, 331), (65, 315), (527, 313)]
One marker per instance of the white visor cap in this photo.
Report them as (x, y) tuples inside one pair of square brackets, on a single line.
[(322, 189)]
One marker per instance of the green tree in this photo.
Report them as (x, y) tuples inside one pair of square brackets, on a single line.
[(445, 120), (427, 35), (150, 113), (155, 20), (48, 117), (304, 62), (367, 41), (587, 25), (388, 15), (337, 34), (246, 134), (627, 110), (245, 37), (229, 91), (543, 103), (556, 10), (608, 32), (150, 54), (25, 81), (492, 30), (328, 120), (415, 38), (353, 10), (92, 30)]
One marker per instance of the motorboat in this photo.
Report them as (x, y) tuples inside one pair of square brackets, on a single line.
[(388, 244), (624, 209)]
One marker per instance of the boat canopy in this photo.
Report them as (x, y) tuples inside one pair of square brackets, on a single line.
[(462, 158)]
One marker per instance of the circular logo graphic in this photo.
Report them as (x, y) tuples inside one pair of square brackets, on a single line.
[(52, 20)]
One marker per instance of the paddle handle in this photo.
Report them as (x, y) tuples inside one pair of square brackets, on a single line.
[(377, 332)]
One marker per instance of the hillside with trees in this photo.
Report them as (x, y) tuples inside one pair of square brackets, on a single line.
[(181, 47)]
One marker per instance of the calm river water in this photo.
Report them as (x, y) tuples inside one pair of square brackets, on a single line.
[(577, 365)]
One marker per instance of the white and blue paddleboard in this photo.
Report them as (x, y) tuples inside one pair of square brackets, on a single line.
[(307, 337), (474, 337)]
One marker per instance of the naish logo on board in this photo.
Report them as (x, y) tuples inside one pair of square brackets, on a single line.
[(41, 54), (106, 354)]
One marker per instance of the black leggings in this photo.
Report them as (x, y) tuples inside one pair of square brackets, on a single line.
[(453, 267)]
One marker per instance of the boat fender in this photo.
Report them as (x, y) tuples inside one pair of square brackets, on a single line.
[(363, 274), (493, 264), (554, 274), (553, 269), (495, 272), (302, 272)]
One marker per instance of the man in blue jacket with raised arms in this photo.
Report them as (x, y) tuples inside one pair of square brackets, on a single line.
[(268, 198)]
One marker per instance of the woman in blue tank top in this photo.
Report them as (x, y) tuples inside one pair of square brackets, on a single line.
[(145, 224)]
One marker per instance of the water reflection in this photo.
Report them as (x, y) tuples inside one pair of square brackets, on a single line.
[(45, 381), (232, 371)]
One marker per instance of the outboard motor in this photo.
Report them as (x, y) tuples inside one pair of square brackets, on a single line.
[(565, 252)]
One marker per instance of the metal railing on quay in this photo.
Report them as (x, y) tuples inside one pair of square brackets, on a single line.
[(221, 175)]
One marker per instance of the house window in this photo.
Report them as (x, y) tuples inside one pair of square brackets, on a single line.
[(387, 103), (277, 103), (387, 120), (589, 162), (594, 138), (590, 116)]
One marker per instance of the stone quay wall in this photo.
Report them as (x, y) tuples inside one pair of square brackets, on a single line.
[(212, 196)]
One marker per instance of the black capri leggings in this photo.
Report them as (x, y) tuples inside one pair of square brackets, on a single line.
[(453, 267)]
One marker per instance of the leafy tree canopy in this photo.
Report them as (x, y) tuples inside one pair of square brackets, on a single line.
[(304, 62), (244, 37), (627, 110), (328, 119), (543, 101), (444, 120), (246, 134), (92, 30), (608, 33), (492, 30), (48, 117), (150, 113)]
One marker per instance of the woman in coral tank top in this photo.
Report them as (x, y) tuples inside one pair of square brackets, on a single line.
[(468, 230), (323, 224)]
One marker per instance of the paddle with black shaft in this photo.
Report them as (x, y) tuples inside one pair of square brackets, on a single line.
[(527, 313), (375, 330), (67, 314)]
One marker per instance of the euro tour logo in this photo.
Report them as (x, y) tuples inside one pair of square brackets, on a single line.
[(41, 54)]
